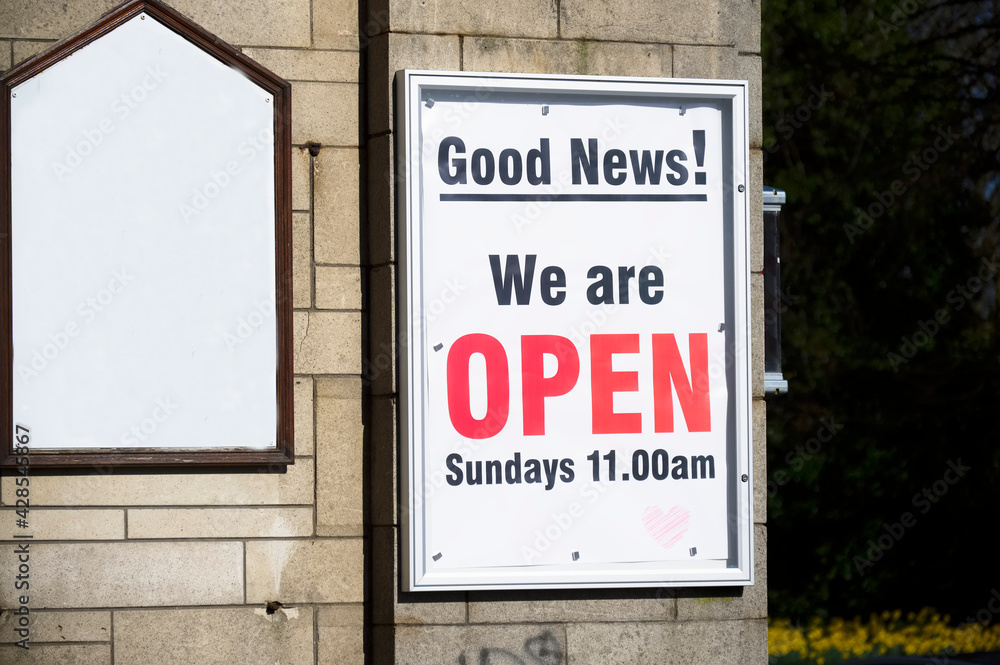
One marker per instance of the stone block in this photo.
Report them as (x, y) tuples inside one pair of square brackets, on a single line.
[(394, 607), (751, 69), (215, 636), (256, 23), (73, 524), (5, 55), (531, 643), (755, 183), (382, 195), (490, 54), (25, 49), (341, 387), (513, 18), (49, 19), (327, 342), (219, 522), (305, 571), (339, 457), (748, 26), (103, 488), (757, 334), (303, 416), (325, 113), (384, 464), (60, 627), (759, 461), (718, 62), (390, 53), (302, 65), (301, 179), (709, 62), (301, 260), (56, 654), (380, 368), (335, 24), (130, 574), (564, 606), (728, 603), (337, 199), (341, 635), (714, 22), (679, 643), (338, 287)]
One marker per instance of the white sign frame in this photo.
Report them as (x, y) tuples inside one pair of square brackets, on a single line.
[(424, 567)]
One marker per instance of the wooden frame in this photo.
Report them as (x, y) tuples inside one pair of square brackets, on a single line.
[(108, 454)]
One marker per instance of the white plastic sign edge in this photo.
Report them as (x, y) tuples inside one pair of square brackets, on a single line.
[(416, 575)]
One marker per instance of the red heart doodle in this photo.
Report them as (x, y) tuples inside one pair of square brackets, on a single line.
[(666, 528)]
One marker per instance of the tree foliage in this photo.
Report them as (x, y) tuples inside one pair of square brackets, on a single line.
[(890, 323)]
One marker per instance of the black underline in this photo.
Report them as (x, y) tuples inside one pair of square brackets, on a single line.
[(666, 198)]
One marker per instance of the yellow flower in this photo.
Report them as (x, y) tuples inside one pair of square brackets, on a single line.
[(922, 633)]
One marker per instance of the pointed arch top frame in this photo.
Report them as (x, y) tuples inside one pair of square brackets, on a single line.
[(208, 458)]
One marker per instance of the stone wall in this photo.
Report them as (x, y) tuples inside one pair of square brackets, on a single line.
[(602, 37), (151, 568), (179, 568)]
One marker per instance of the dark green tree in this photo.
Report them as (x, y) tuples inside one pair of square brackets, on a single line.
[(890, 324)]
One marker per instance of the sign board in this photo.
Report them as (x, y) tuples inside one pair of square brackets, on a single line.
[(146, 262), (575, 322)]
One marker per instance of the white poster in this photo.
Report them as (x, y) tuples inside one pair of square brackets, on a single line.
[(573, 368), (143, 289)]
